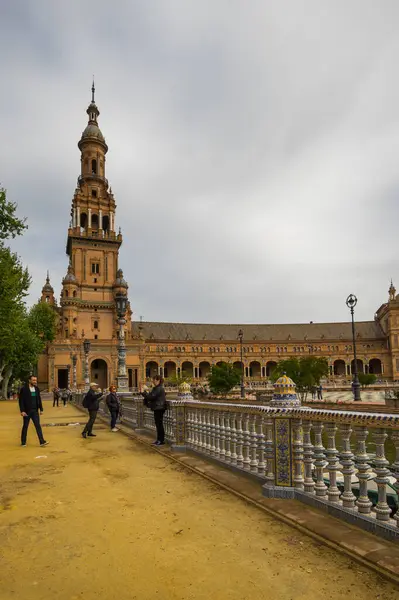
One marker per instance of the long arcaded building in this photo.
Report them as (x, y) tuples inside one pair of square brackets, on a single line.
[(87, 310)]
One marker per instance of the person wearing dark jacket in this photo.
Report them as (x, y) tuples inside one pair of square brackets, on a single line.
[(114, 406), (156, 400), (30, 403), (92, 402)]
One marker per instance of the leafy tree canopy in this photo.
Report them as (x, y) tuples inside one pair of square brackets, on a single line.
[(306, 372), (223, 378), (10, 225), (42, 320), (367, 378)]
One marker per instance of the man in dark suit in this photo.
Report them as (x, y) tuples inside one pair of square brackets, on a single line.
[(30, 403)]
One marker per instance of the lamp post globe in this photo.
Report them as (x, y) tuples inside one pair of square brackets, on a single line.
[(351, 302), (240, 337)]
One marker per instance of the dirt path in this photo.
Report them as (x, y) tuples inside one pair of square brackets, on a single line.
[(106, 518)]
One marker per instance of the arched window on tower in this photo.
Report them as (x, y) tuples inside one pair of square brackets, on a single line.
[(47, 298), (94, 222), (83, 220), (95, 324), (94, 166), (106, 223)]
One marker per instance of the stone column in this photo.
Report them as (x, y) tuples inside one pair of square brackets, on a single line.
[(89, 219), (78, 217), (100, 219)]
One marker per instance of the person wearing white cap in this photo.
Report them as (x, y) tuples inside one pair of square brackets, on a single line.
[(92, 402)]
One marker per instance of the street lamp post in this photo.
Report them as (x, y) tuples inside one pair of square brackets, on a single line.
[(241, 335), (86, 347), (351, 302), (121, 306), (74, 361)]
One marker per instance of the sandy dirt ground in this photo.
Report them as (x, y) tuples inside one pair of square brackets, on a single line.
[(108, 518)]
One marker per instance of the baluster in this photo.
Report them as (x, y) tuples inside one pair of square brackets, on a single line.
[(395, 468), (233, 433), (363, 502), (246, 443), (333, 462), (269, 451), (261, 447), (319, 460), (203, 432), (308, 457), (217, 434), (222, 437), (380, 467), (212, 432), (208, 431), (228, 437), (196, 430), (254, 444), (297, 450), (240, 456), (346, 457)]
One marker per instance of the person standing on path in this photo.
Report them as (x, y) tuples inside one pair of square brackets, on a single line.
[(114, 406), (56, 396), (156, 400), (92, 402), (30, 403)]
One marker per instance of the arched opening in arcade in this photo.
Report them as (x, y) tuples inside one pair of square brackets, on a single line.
[(339, 368), (220, 363), (94, 222), (62, 378), (254, 369), (360, 367), (106, 223), (83, 220), (204, 369), (99, 372), (169, 369), (375, 366), (238, 366), (270, 366), (151, 369), (187, 369)]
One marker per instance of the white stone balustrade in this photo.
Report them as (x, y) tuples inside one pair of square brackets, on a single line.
[(329, 458)]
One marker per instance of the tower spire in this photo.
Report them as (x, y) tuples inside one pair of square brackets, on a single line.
[(93, 89)]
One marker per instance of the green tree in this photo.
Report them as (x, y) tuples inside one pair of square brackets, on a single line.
[(223, 378), (42, 320), (14, 285), (10, 225), (306, 372), (367, 379)]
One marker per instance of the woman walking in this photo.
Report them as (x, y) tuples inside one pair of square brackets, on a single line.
[(114, 406), (156, 400)]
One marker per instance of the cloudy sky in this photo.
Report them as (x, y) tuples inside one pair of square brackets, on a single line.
[(253, 148)]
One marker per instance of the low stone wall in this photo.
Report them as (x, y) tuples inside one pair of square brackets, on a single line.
[(293, 452)]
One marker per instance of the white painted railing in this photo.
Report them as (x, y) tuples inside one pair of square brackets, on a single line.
[(346, 462)]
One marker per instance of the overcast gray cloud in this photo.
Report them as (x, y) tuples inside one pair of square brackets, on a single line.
[(254, 148)]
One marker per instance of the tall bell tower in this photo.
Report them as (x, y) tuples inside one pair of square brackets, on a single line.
[(88, 288)]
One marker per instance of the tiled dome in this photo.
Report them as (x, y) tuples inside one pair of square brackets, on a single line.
[(284, 392)]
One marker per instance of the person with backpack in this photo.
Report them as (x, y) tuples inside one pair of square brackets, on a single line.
[(56, 396), (114, 406), (92, 402), (156, 401)]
